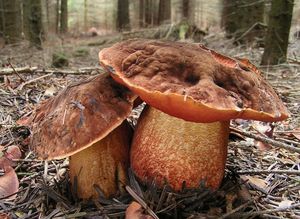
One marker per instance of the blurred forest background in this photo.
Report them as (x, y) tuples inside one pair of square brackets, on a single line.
[(48, 23)]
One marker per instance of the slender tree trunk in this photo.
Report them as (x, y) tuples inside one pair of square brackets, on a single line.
[(164, 11), (123, 15), (11, 20), (182, 10), (142, 13), (148, 12), (1, 18), (64, 16), (44, 17), (239, 16), (85, 13), (276, 41), (52, 15), (134, 12), (33, 15), (57, 15)]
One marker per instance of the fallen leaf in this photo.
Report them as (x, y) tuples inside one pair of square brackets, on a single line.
[(9, 183), (49, 92), (262, 146), (136, 211), (4, 216), (285, 204), (256, 183), (12, 152), (296, 133)]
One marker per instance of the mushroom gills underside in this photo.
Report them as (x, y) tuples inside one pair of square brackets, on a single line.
[(172, 150)]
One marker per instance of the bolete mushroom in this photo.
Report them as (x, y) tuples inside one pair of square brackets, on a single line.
[(193, 92), (86, 122)]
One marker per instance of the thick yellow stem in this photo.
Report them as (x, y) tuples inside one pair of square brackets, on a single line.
[(169, 149), (104, 164)]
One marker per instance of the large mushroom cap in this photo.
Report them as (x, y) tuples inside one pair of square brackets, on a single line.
[(82, 114), (192, 82)]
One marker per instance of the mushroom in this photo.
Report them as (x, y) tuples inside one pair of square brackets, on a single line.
[(86, 122), (192, 93)]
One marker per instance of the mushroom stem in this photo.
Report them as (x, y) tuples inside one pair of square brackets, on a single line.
[(166, 148), (104, 164)]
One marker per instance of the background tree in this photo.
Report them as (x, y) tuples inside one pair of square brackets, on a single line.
[(276, 41), (64, 16), (164, 11), (149, 13), (182, 10), (243, 19), (32, 10), (11, 20), (123, 15)]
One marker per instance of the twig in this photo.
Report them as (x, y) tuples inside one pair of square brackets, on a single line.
[(14, 71), (33, 80), (236, 210), (27, 69), (256, 213), (267, 140), (141, 202), (294, 172)]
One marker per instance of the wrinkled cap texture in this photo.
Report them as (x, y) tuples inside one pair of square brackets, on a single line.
[(80, 115), (192, 82)]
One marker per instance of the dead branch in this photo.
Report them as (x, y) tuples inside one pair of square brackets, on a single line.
[(292, 172), (267, 140), (256, 213), (31, 70)]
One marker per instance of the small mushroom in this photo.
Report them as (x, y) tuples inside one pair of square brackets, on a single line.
[(86, 122), (192, 92)]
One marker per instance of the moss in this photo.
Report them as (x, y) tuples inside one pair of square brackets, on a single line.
[(81, 52), (59, 59)]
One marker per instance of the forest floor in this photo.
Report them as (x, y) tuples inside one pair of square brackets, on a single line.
[(262, 175)]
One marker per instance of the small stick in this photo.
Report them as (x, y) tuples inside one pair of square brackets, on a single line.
[(33, 80), (141, 202), (294, 172), (236, 210), (256, 213), (14, 70), (267, 140)]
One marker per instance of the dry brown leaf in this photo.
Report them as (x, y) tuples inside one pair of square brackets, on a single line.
[(262, 146), (9, 183), (135, 211), (50, 91), (12, 152), (256, 182), (4, 216), (296, 133)]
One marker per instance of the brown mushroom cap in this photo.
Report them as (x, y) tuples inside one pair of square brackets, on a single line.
[(192, 82), (82, 114)]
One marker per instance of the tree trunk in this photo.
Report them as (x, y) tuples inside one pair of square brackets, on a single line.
[(142, 13), (123, 15), (1, 18), (182, 10), (33, 15), (240, 16), (164, 11), (64, 16), (148, 13), (11, 20), (52, 15), (276, 41), (85, 13)]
